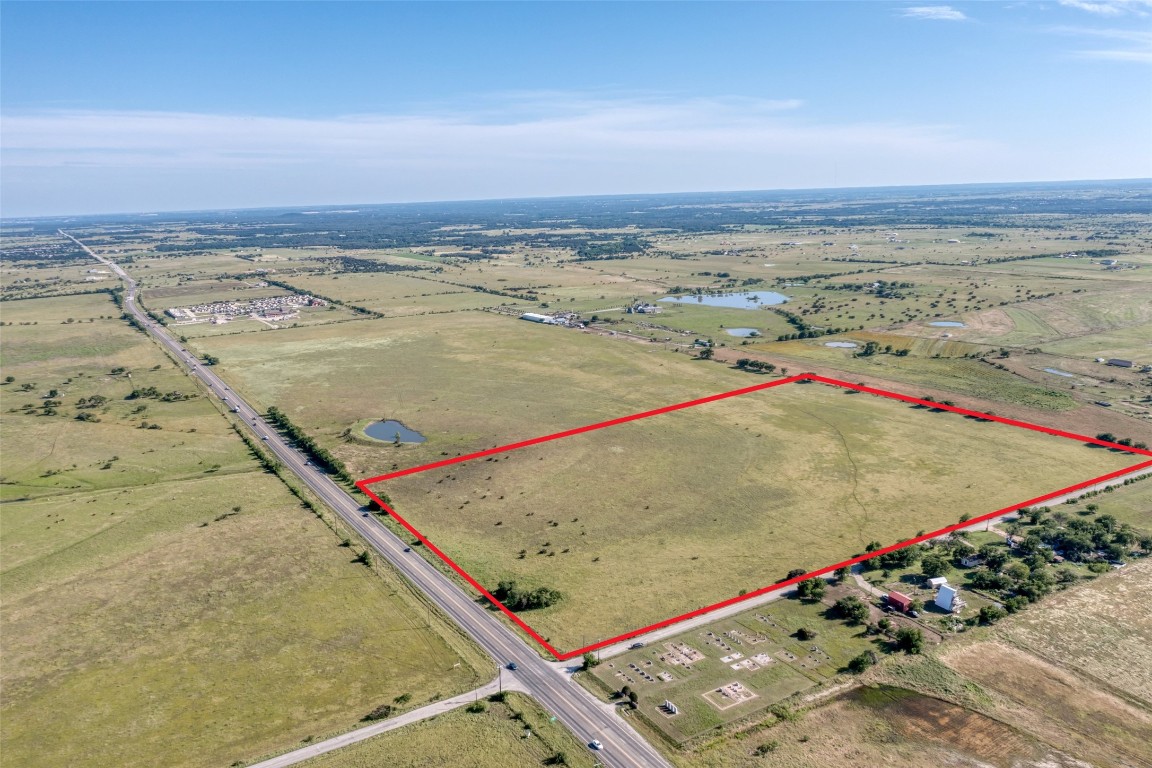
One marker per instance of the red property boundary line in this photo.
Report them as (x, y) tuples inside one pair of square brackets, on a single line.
[(564, 655)]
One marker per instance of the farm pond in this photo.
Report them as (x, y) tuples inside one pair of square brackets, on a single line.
[(389, 430), (742, 300)]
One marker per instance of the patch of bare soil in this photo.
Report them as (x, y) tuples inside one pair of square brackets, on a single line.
[(934, 721)]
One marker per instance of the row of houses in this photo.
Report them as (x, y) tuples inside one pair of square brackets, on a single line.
[(271, 307)]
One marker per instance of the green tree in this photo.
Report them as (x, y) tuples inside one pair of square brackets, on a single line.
[(990, 614), (705, 353), (861, 662), (909, 640), (935, 564), (853, 609), (811, 589)]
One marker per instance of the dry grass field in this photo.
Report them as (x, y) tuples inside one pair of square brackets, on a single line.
[(1102, 630), (165, 601), (882, 726), (751, 487)]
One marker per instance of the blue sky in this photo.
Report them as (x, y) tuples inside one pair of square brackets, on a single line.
[(174, 106)]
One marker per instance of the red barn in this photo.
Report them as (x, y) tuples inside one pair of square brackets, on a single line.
[(899, 601)]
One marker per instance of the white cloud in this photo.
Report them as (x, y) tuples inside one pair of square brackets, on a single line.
[(1110, 7), (936, 12), (1138, 50), (1144, 57), (85, 161)]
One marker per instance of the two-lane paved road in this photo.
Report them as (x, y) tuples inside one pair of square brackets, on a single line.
[(589, 718)]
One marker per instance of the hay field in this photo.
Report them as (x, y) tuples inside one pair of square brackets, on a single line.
[(644, 521), (1101, 629)]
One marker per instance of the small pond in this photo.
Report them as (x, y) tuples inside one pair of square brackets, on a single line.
[(388, 430), (743, 300), (841, 344), (948, 324), (743, 331), (1059, 372)]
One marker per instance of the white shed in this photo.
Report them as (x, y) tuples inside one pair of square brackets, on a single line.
[(947, 599), (938, 582)]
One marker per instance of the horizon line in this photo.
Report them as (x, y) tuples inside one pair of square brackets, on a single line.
[(322, 206)]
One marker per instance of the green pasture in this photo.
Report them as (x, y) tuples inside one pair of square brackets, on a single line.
[(400, 295), (57, 454), (738, 484), (201, 622), (157, 585), (1130, 504), (972, 378)]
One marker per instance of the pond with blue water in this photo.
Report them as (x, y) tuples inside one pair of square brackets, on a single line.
[(743, 332), (948, 324), (742, 300), (389, 430)]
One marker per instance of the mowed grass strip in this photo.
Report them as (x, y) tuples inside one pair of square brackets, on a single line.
[(644, 521)]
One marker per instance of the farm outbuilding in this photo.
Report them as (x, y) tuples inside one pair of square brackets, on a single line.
[(937, 582), (1120, 363), (948, 599), (532, 317), (900, 601)]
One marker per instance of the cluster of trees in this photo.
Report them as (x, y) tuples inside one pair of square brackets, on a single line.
[(803, 329), (516, 598), (141, 393), (1108, 437), (353, 264), (1080, 538), (884, 289), (853, 609), (318, 453), (623, 248), (811, 589), (745, 364), (872, 348)]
